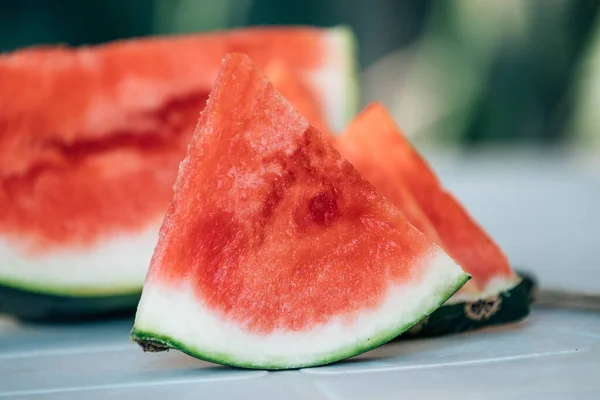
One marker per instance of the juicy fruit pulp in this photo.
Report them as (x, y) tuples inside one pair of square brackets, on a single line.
[(91, 139), (93, 188), (381, 152), (275, 252), (68, 116), (297, 92)]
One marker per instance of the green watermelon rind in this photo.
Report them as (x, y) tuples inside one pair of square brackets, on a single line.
[(155, 342), (509, 306), (43, 307), (46, 305), (31, 301), (67, 290)]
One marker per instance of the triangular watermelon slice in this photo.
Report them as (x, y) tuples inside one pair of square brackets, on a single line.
[(275, 252), (377, 147), (379, 150)]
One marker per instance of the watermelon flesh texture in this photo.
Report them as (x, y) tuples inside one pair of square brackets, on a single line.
[(381, 152), (91, 140), (299, 93), (54, 95), (275, 252)]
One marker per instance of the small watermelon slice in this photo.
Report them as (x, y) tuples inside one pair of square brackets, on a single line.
[(90, 142), (275, 252), (381, 152)]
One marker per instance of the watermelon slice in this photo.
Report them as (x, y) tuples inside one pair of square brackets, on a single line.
[(381, 152), (275, 252), (90, 142)]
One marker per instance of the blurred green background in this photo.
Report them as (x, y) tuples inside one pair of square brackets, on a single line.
[(451, 71)]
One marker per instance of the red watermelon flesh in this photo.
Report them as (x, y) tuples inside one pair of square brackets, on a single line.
[(382, 153), (275, 252), (95, 188), (69, 118), (294, 89), (378, 171), (91, 139)]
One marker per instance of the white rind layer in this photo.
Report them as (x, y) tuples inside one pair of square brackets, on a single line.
[(114, 265), (177, 315), (337, 82), (471, 293)]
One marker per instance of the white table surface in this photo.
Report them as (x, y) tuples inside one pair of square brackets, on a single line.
[(543, 211), (555, 354)]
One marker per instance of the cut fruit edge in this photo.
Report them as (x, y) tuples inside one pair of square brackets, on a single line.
[(173, 317), (340, 77), (114, 266), (506, 307)]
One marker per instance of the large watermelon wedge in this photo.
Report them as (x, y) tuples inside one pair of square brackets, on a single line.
[(90, 142), (275, 252), (381, 152)]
